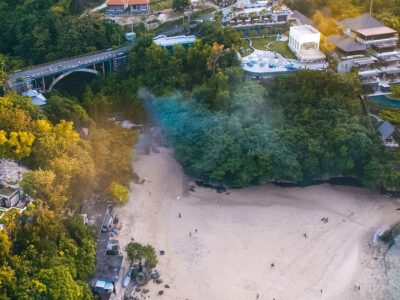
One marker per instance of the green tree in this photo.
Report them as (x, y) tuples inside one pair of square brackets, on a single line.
[(62, 108), (60, 285), (395, 90), (138, 252), (180, 5), (134, 251), (149, 254)]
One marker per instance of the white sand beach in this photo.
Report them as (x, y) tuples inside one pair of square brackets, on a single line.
[(241, 233)]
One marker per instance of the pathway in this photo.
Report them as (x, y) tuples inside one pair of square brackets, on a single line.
[(100, 7)]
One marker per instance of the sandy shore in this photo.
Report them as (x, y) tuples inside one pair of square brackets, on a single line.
[(240, 233)]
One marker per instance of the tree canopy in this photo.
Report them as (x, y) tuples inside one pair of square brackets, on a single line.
[(39, 31), (299, 128)]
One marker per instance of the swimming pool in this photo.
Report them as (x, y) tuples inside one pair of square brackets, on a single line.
[(385, 100)]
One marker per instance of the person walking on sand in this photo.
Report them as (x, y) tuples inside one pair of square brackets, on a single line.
[(305, 235), (179, 215), (257, 296), (272, 265)]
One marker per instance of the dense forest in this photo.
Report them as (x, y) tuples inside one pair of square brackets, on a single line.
[(47, 253), (298, 128), (37, 31)]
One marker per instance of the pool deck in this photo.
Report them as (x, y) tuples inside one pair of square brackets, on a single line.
[(264, 63), (383, 99)]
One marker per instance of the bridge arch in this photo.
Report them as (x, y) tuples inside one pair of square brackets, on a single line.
[(63, 75)]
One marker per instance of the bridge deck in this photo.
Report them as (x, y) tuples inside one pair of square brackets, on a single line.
[(66, 65)]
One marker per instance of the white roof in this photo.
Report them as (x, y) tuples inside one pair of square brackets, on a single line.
[(31, 93), (165, 41), (305, 29), (369, 72), (36, 97)]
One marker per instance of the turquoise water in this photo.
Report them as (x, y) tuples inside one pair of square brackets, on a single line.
[(385, 100)]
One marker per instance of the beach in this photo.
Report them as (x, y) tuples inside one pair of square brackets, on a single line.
[(242, 232)]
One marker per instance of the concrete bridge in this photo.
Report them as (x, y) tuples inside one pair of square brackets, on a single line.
[(36, 77)]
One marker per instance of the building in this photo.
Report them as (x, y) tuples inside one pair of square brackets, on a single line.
[(10, 197), (386, 130), (302, 19), (367, 30), (379, 64), (11, 194), (36, 97), (116, 6), (346, 46), (138, 6), (170, 42), (223, 3), (304, 42)]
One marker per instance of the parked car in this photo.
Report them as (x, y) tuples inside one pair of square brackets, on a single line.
[(106, 224), (127, 278)]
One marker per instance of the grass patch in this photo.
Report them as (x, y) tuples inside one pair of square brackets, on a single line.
[(207, 10), (279, 47), (393, 97), (167, 25), (261, 43), (246, 45), (161, 4), (283, 49)]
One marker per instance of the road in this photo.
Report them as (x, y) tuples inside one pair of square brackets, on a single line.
[(63, 65), (104, 5), (84, 60)]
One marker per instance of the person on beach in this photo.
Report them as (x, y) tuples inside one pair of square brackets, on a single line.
[(179, 215), (257, 296), (190, 234), (272, 265), (195, 230), (305, 235)]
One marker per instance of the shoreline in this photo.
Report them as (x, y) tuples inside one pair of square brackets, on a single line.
[(243, 231)]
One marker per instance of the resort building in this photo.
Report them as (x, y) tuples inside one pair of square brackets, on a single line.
[(170, 42), (304, 42), (369, 46), (138, 6), (386, 130), (223, 3), (346, 47), (36, 97), (367, 30), (116, 6), (131, 6), (247, 15)]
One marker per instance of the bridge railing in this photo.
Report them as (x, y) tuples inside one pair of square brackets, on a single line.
[(69, 58)]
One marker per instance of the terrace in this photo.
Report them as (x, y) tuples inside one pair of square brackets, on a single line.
[(369, 36), (266, 64)]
